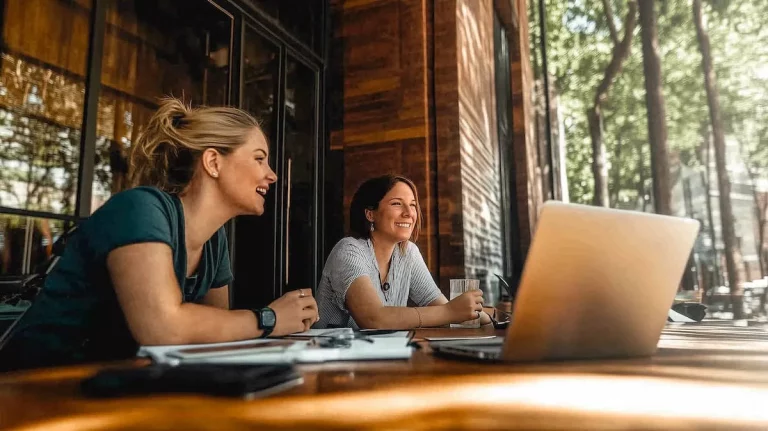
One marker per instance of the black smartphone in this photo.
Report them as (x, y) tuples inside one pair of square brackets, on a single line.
[(235, 380)]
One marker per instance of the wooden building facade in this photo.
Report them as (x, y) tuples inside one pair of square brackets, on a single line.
[(437, 90)]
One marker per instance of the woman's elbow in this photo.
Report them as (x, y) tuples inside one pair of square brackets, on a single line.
[(158, 334), (160, 338)]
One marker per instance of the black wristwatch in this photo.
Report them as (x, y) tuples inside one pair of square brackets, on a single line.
[(267, 320)]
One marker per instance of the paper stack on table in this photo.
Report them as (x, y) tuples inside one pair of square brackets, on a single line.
[(276, 351)]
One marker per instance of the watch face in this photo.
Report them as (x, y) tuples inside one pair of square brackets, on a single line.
[(267, 318)]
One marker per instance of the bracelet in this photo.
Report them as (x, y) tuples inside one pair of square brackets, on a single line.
[(418, 313)]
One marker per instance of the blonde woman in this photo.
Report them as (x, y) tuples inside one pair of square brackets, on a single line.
[(151, 266)]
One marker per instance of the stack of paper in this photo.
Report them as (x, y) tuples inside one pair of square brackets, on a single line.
[(272, 351)]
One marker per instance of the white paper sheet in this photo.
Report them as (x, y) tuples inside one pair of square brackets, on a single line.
[(382, 347)]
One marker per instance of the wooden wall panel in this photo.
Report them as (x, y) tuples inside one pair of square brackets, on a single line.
[(385, 125), (479, 144), (50, 31), (449, 185), (139, 60), (414, 93), (528, 194)]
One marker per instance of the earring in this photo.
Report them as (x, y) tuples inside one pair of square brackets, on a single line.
[(372, 227), (215, 174)]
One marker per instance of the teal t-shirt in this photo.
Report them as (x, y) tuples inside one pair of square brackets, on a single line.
[(76, 317)]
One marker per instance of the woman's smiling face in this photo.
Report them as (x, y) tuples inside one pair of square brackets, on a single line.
[(397, 214)]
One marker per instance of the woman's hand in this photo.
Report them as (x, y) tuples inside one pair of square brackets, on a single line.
[(485, 318), (295, 311), (466, 307)]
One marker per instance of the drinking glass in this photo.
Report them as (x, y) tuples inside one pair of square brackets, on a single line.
[(458, 287)]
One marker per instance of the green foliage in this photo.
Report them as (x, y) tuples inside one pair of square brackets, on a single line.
[(38, 163), (578, 49)]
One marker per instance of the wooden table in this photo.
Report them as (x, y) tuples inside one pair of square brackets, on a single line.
[(704, 376)]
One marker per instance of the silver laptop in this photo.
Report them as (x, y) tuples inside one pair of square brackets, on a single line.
[(597, 283)]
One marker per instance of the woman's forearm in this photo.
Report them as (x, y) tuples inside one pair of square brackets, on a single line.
[(368, 312), (407, 318), (194, 323)]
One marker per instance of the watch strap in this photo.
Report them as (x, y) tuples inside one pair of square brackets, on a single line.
[(266, 330)]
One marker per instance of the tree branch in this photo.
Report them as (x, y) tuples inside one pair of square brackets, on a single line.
[(608, 10), (594, 114), (620, 53)]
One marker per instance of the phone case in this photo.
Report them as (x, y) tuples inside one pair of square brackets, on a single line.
[(210, 379)]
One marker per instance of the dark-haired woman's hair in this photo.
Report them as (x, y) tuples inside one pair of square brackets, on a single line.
[(166, 152), (368, 196)]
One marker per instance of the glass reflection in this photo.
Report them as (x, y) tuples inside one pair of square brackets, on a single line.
[(260, 66), (153, 49), (255, 265), (303, 19), (26, 242), (300, 148), (41, 103)]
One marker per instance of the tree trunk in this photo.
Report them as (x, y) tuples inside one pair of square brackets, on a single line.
[(761, 207), (762, 221), (594, 114), (641, 183), (599, 158), (711, 221), (654, 102), (733, 260), (616, 172)]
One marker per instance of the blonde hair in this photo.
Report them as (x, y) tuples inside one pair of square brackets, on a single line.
[(166, 152)]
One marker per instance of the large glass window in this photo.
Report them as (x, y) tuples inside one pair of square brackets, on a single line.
[(42, 77), (26, 242), (260, 80), (301, 18), (42, 89), (154, 49), (299, 172), (255, 252), (282, 91), (512, 260), (663, 107)]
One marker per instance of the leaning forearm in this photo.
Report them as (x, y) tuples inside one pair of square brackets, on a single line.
[(406, 318), (211, 325), (435, 316), (194, 323)]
